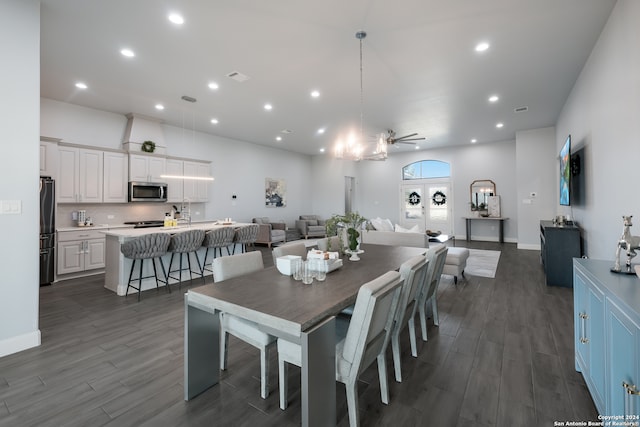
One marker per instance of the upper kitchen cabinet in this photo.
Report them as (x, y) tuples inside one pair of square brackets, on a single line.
[(175, 189), (49, 157), (146, 168), (80, 175), (115, 177), (196, 190)]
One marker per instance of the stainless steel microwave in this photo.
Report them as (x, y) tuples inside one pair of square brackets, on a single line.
[(147, 191)]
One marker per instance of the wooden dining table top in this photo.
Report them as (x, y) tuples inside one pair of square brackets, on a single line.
[(283, 304)]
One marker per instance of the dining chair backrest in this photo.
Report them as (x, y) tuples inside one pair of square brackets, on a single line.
[(412, 271), (219, 237), (329, 244), (297, 248), (228, 267), (372, 318), (436, 256)]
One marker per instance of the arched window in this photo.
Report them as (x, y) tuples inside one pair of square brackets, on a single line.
[(425, 169)]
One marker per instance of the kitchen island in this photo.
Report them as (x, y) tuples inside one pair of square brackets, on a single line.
[(117, 267)]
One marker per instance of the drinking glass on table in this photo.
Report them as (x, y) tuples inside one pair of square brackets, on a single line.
[(320, 269), (307, 272), (297, 269)]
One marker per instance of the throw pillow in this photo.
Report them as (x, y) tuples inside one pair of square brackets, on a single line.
[(387, 225), (377, 224), (312, 222)]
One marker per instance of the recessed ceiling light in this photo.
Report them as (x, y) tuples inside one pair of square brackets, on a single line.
[(322, 150), (176, 18), (315, 94), (499, 125), (481, 47), (321, 131), (278, 138), (268, 107), (493, 98), (473, 141), (213, 86), (128, 53), (159, 107), (417, 147), (81, 85), (214, 121)]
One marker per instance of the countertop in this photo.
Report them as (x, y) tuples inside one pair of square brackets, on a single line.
[(135, 232), (127, 226)]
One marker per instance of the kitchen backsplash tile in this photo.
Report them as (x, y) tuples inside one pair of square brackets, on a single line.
[(101, 213)]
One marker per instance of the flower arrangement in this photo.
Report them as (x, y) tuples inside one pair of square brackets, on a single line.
[(352, 221)]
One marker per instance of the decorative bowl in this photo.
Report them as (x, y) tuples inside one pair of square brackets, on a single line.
[(285, 264)]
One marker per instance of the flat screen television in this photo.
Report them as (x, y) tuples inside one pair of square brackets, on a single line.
[(565, 173)]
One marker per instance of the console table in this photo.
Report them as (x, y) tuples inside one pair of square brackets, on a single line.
[(500, 220)]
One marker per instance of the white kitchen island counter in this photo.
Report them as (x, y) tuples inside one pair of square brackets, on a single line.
[(117, 267)]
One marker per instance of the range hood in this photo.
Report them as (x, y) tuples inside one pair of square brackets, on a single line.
[(140, 129)]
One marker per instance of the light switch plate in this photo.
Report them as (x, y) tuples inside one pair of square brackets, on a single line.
[(10, 207)]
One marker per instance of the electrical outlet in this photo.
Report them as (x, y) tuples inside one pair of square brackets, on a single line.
[(110, 216)]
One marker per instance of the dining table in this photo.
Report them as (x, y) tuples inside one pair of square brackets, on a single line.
[(285, 308)]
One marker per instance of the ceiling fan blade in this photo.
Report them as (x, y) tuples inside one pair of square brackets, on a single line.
[(406, 142), (405, 137), (412, 139)]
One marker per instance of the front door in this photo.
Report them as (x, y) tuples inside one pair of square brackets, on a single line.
[(427, 205)]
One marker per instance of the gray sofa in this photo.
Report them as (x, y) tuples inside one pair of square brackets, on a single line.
[(393, 238), (311, 226)]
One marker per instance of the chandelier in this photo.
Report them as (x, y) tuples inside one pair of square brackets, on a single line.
[(354, 147)]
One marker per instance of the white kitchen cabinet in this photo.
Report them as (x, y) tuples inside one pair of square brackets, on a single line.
[(79, 251), (115, 177), (48, 159), (80, 175), (146, 168), (175, 187), (196, 190)]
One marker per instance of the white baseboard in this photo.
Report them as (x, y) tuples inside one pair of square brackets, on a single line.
[(529, 246), (21, 342)]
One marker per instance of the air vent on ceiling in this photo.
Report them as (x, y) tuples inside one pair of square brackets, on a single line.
[(286, 131), (239, 77), (188, 98), (521, 109)]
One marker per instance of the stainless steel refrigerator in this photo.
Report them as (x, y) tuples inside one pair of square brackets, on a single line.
[(47, 230)]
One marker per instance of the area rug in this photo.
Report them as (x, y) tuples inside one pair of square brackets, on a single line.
[(482, 263)]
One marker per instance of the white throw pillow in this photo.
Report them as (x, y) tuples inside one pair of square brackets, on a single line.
[(382, 224), (414, 229)]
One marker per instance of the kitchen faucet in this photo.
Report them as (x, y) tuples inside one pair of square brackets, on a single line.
[(185, 212)]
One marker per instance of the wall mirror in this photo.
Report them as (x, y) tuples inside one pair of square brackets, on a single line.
[(480, 191)]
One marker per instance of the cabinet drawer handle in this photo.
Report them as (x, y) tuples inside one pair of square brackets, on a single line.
[(630, 389), (584, 316), (584, 340)]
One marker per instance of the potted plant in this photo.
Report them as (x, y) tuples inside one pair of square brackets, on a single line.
[(353, 222)]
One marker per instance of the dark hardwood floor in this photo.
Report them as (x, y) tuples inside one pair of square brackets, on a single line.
[(502, 356)]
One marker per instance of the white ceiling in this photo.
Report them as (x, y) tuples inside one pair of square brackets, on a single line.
[(420, 71)]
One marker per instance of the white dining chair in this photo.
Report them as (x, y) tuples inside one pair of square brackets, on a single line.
[(412, 272), (228, 267), (436, 256), (330, 244), (359, 344), (297, 248)]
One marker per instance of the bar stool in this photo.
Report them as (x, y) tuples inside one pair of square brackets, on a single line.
[(150, 246), (187, 242), (246, 235), (217, 239)]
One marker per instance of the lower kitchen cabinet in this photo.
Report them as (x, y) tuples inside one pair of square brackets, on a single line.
[(80, 251), (607, 336)]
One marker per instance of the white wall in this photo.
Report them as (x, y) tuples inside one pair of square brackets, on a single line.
[(378, 183), (536, 172), (602, 114), (238, 167), (19, 121)]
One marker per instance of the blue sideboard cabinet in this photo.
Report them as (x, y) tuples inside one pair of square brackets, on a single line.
[(607, 336)]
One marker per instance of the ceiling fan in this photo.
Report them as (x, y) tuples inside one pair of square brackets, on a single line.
[(407, 139)]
